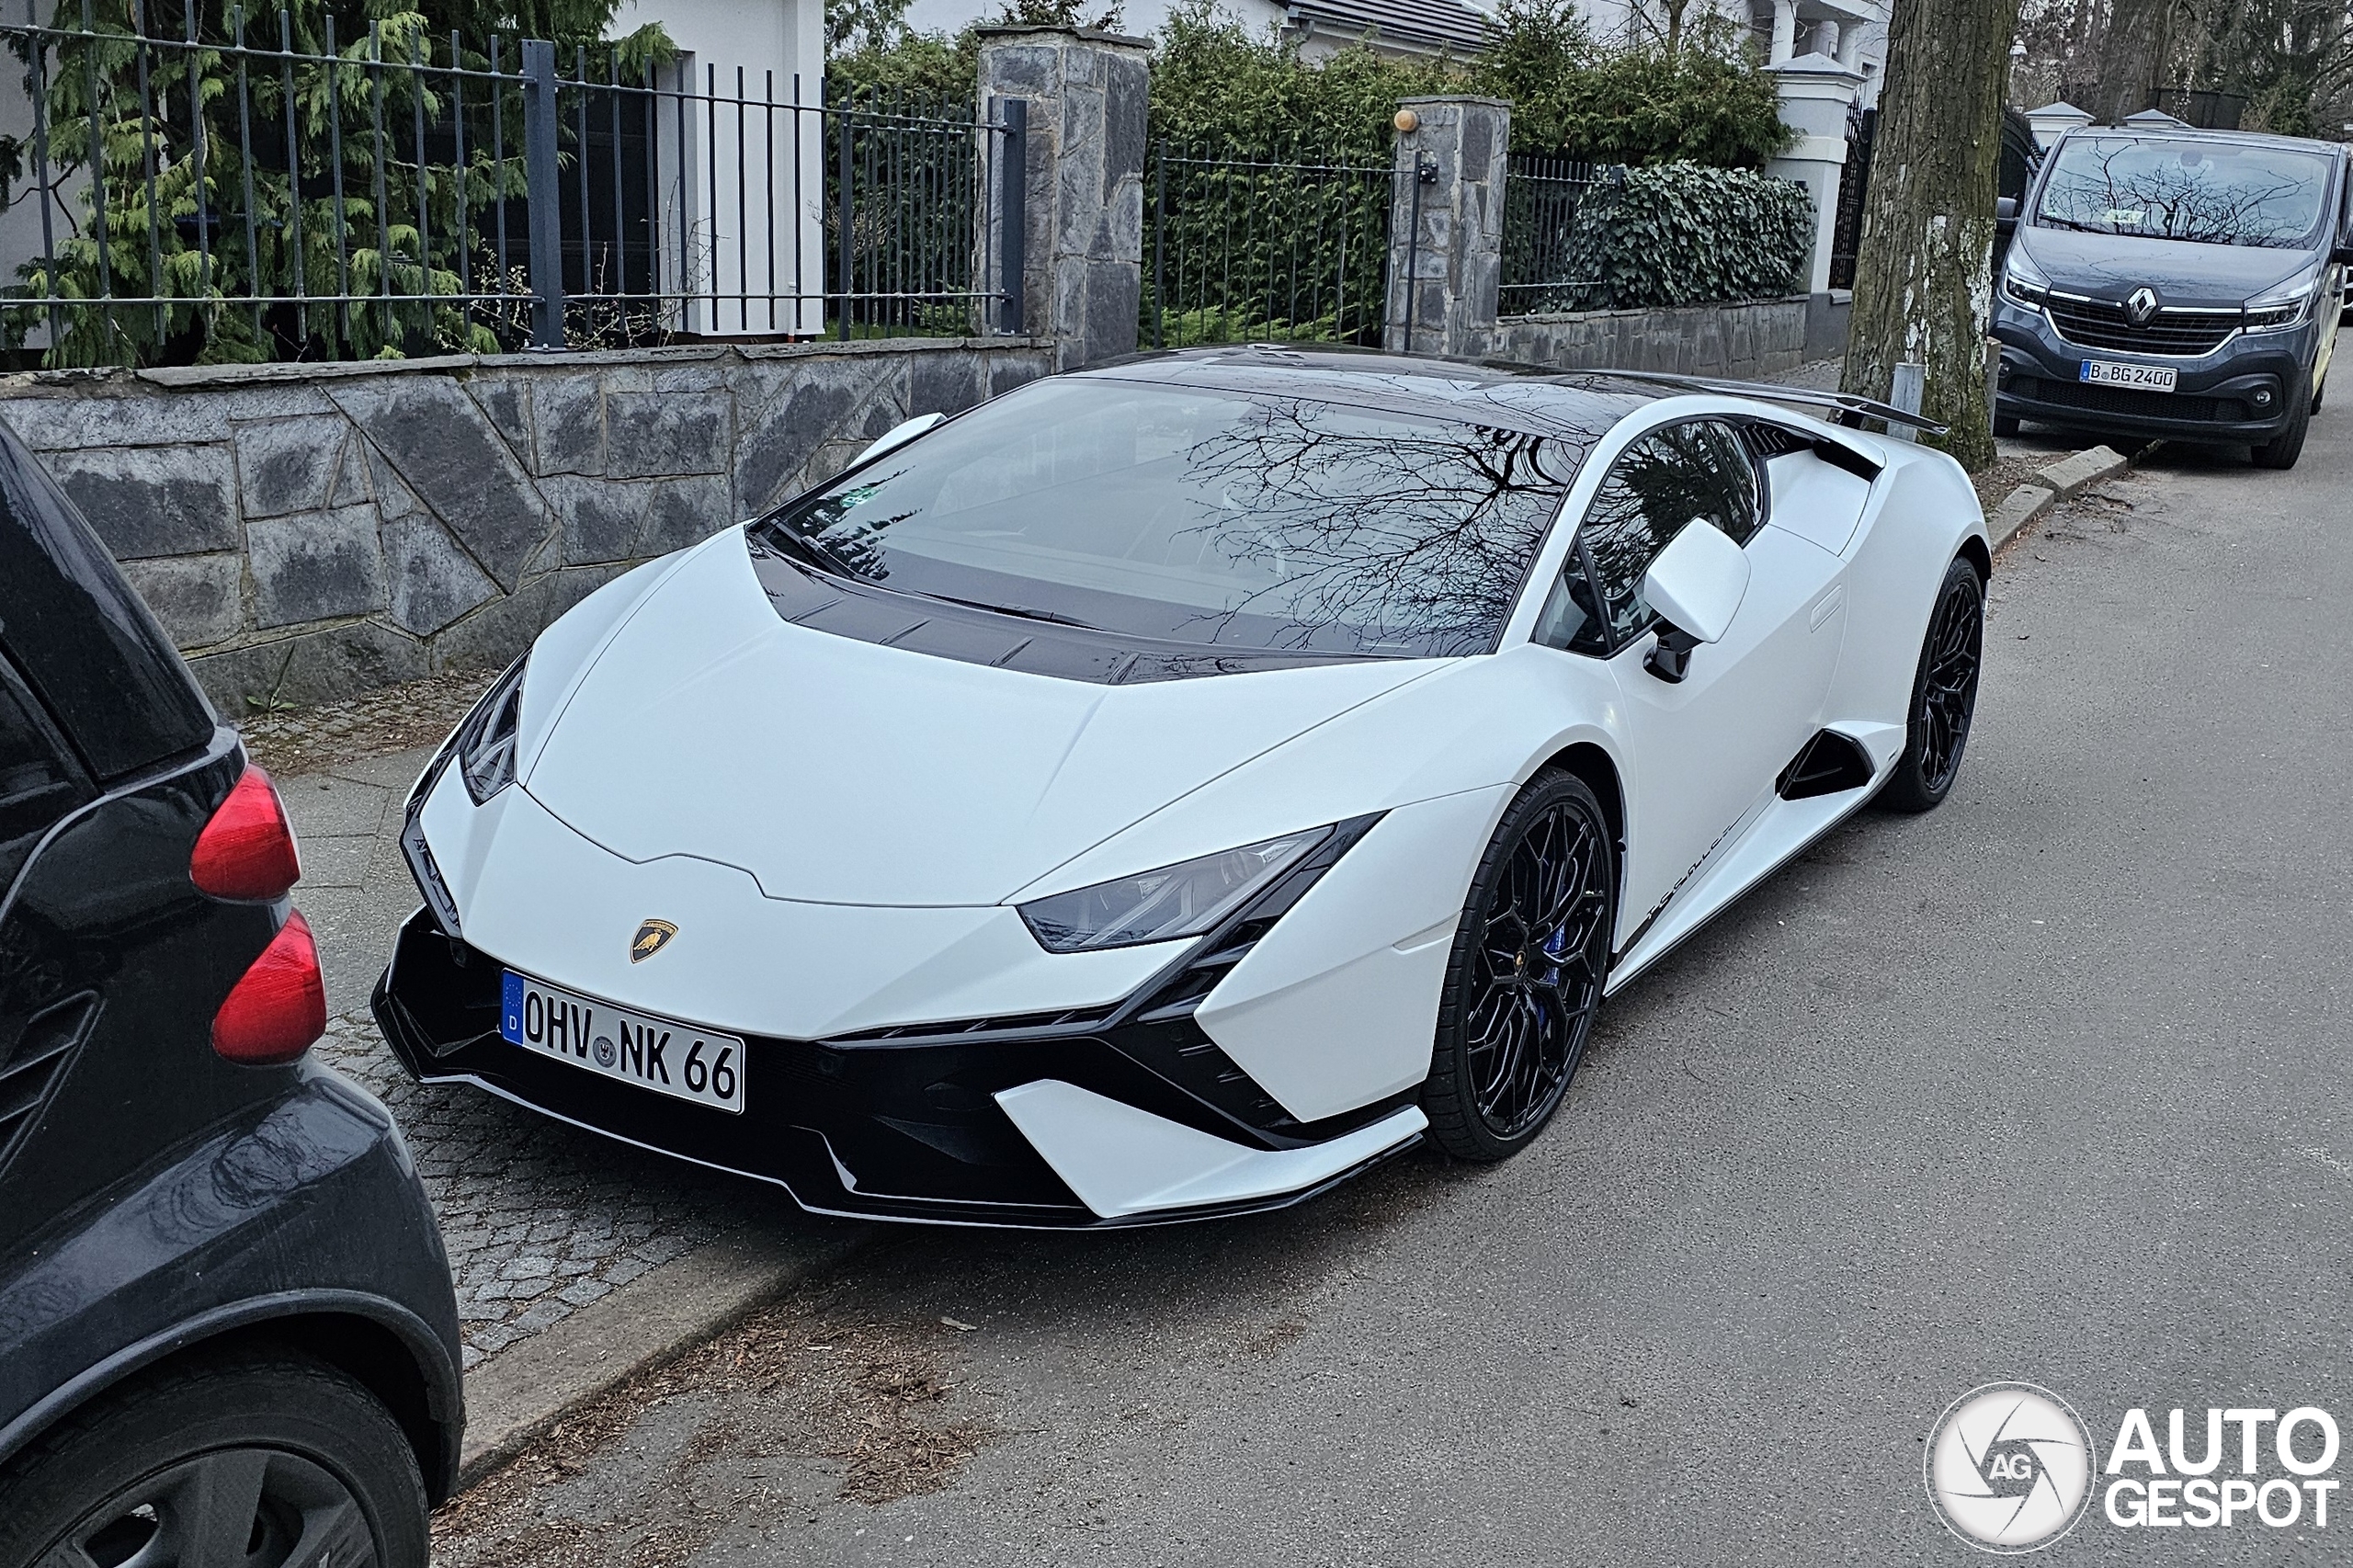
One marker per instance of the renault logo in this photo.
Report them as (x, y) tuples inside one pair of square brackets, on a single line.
[(2141, 306), (652, 937)]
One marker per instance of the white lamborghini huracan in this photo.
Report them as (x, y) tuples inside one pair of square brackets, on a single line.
[(1167, 789)]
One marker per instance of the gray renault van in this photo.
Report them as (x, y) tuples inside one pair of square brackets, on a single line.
[(2163, 281)]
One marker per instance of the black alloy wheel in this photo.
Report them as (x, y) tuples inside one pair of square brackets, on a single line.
[(254, 1458), (1944, 694), (1524, 979)]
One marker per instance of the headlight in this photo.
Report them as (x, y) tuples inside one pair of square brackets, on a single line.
[(1183, 900), (2021, 283), (485, 742), (2276, 310)]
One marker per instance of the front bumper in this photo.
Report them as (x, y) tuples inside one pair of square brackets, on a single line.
[(2243, 391), (905, 1123)]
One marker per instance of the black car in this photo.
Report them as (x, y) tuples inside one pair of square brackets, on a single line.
[(227, 1332), (2163, 281)]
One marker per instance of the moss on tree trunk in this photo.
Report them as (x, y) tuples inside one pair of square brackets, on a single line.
[(1924, 271)]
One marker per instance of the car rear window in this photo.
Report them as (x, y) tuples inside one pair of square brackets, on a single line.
[(1214, 517), (2167, 188), (80, 636)]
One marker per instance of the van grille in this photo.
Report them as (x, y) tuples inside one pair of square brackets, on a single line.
[(2096, 324), (2133, 401)]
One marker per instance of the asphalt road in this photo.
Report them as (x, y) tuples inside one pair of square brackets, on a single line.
[(2046, 1085)]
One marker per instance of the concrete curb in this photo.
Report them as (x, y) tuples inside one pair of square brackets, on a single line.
[(2059, 481), (516, 1395)]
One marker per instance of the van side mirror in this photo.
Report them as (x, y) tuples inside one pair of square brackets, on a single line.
[(899, 434), (1696, 585), (2005, 214), (2343, 255)]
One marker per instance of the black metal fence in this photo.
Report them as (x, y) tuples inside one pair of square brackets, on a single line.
[(1247, 249), (1853, 187), (1552, 257), (269, 194)]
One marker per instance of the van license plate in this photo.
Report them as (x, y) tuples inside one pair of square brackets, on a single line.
[(2147, 378), (667, 1057)]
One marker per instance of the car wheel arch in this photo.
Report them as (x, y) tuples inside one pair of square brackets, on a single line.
[(379, 1344), (1591, 764)]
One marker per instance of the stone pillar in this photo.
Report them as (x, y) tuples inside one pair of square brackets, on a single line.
[(2053, 120), (1785, 31), (1083, 202), (1446, 226), (1815, 93)]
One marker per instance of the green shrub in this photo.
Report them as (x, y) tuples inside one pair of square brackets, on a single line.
[(1685, 234), (1701, 101)]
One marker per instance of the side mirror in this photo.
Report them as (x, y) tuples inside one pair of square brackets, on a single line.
[(899, 434), (1696, 585), (2343, 255), (2005, 213)]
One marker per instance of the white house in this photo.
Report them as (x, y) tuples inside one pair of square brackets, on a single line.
[(758, 72)]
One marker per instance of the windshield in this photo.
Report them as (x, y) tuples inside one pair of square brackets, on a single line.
[(1209, 516), (2215, 193)]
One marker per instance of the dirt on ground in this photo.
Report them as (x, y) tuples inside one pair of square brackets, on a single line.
[(848, 1408), (1995, 481), (290, 741)]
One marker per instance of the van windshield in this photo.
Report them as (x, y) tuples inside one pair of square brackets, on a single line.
[(2216, 193)]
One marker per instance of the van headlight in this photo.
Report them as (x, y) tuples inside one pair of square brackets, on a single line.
[(2022, 282), (485, 742), (2276, 310)]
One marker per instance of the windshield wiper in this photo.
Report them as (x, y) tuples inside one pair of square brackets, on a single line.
[(2058, 222), (783, 535), (1024, 612)]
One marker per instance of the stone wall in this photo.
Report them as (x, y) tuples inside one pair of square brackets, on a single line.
[(307, 532), (1762, 337)]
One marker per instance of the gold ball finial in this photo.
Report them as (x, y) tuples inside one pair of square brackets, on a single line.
[(1408, 121)]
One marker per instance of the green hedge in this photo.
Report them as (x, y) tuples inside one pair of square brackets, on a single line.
[(1688, 234)]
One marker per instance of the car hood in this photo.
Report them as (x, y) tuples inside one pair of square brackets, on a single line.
[(2110, 267), (839, 771)]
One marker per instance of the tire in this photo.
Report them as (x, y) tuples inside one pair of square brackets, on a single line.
[(1510, 1033), (1944, 694), (308, 1463), (2283, 451), (2005, 425)]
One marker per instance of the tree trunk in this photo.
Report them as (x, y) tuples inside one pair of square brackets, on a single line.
[(1924, 271)]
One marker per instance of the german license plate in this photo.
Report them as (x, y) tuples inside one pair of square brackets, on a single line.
[(661, 1054), (2147, 378)]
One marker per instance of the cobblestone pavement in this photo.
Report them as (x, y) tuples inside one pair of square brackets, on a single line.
[(539, 1218)]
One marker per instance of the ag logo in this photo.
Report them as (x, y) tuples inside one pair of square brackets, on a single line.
[(2141, 306), (2009, 1467), (652, 937)]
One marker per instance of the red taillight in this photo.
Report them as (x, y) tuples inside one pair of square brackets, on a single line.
[(246, 851), (274, 1014)]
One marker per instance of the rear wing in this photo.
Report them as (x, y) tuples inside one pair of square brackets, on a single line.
[(1846, 408)]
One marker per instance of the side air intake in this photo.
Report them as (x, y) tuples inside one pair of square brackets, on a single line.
[(1829, 764)]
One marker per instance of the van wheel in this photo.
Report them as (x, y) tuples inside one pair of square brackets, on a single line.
[(2283, 449), (258, 1457), (2005, 425)]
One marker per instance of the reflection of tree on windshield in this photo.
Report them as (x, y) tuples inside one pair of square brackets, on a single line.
[(1389, 531), (2181, 191)]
